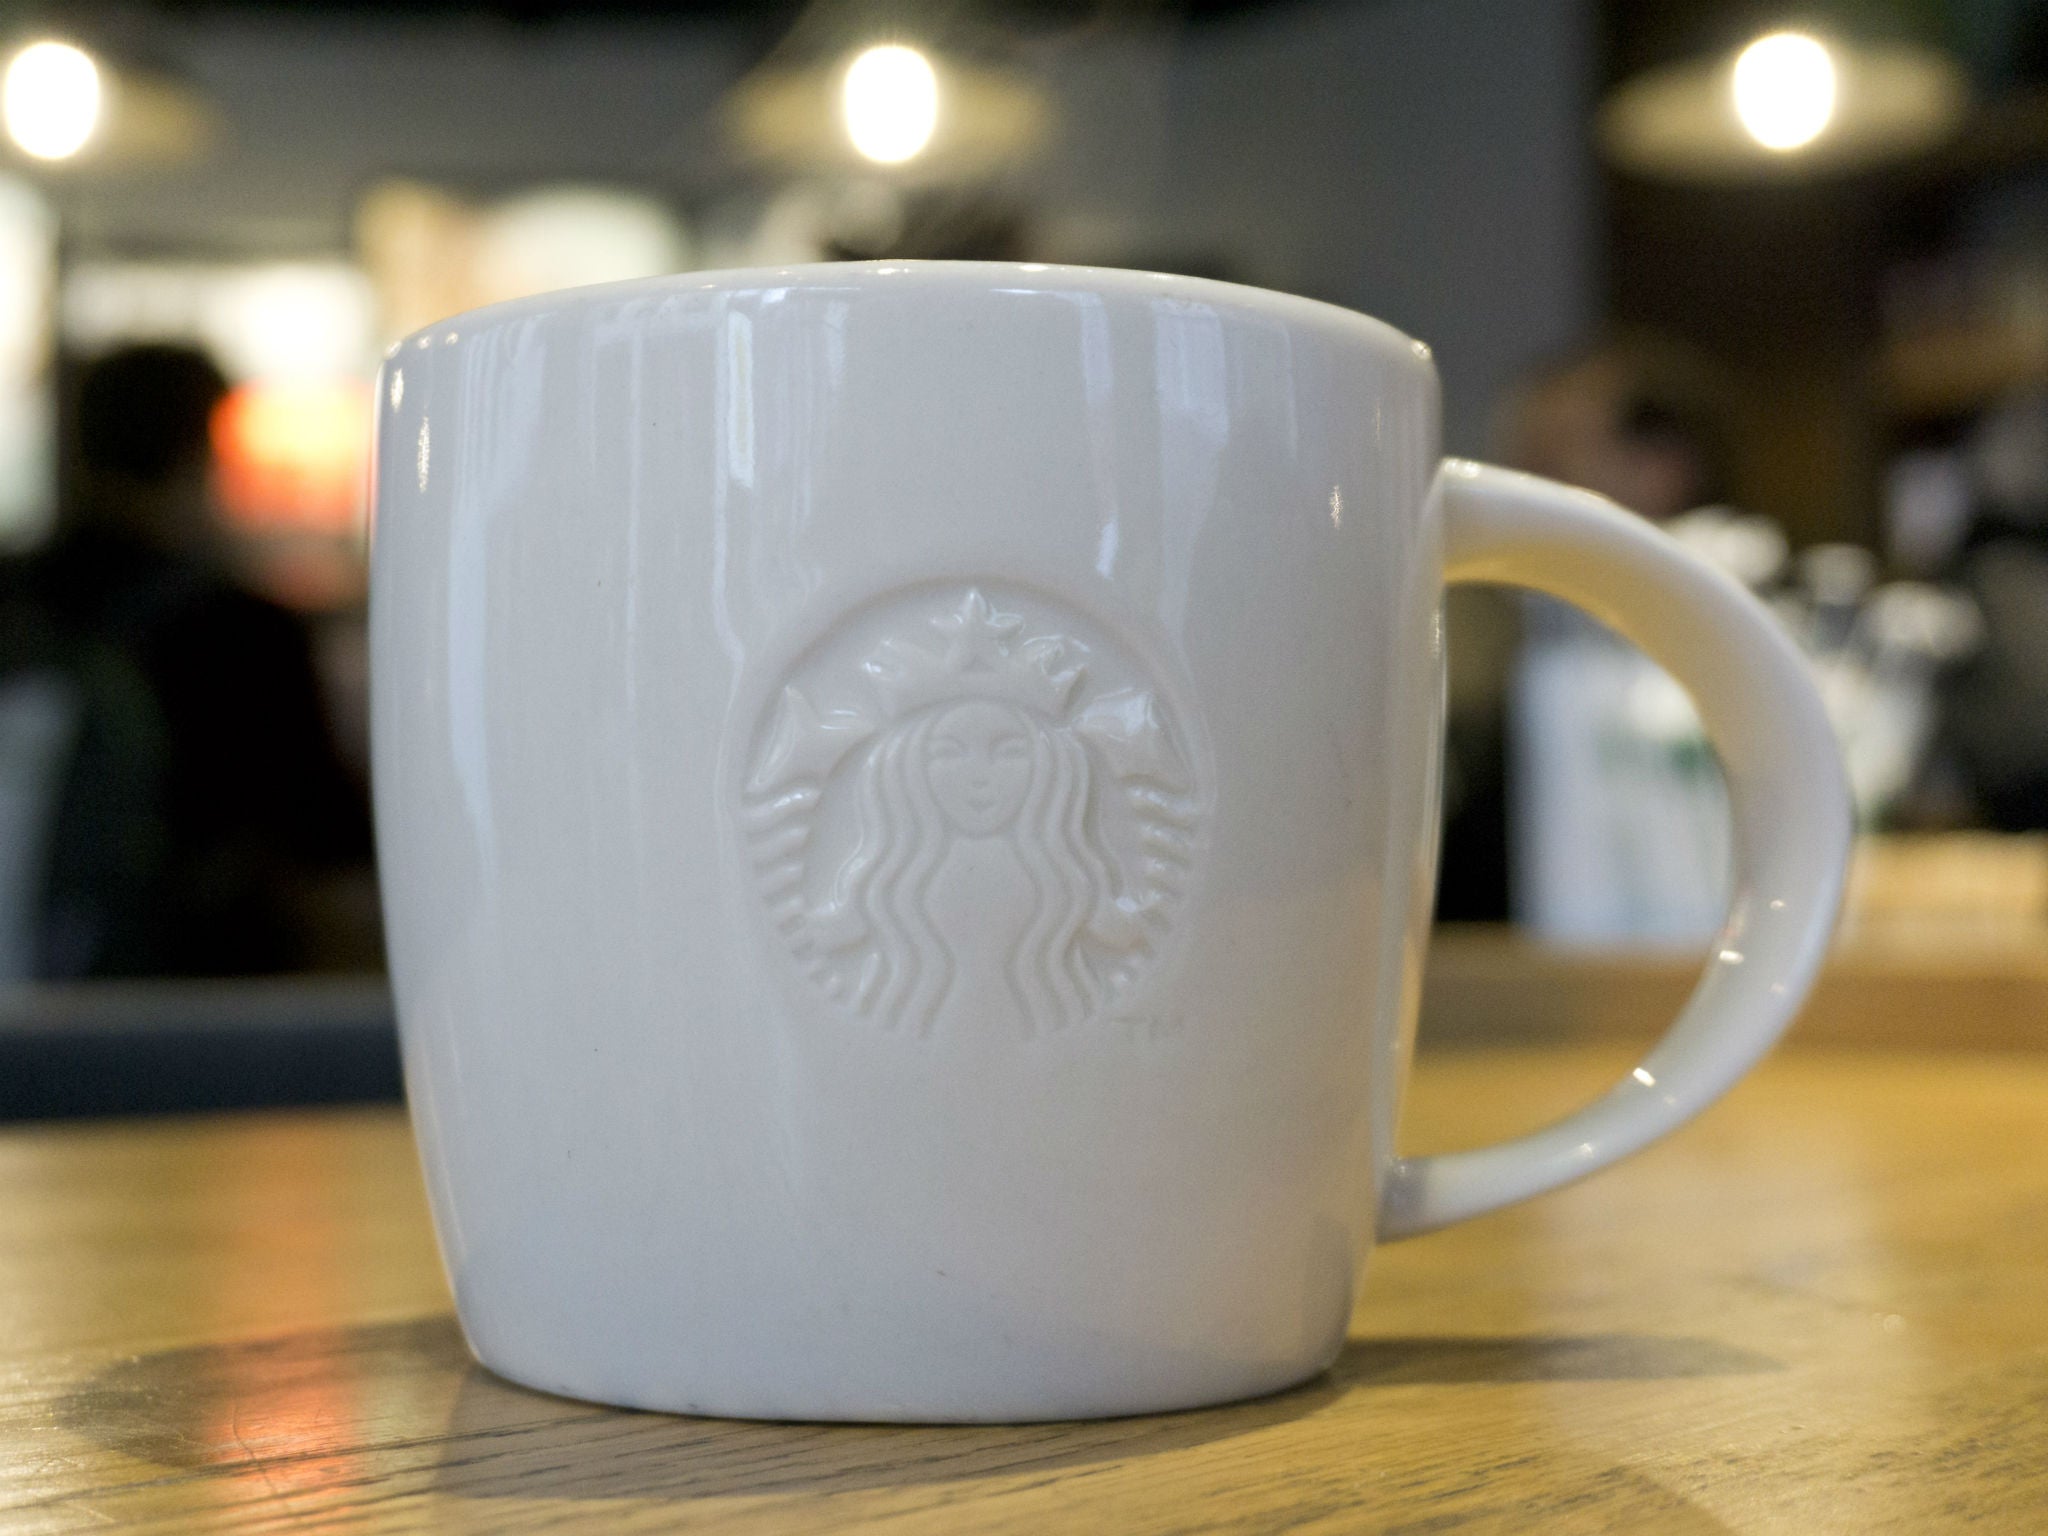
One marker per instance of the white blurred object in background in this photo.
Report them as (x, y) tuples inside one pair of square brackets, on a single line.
[(430, 254), (1620, 819), (1883, 681), (28, 260), (570, 237), (1621, 816), (258, 320), (1877, 652)]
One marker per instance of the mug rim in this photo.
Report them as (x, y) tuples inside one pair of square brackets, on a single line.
[(1017, 277)]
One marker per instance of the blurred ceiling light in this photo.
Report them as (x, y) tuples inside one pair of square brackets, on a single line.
[(52, 99), (1784, 88), (890, 101), (1787, 104), (66, 106), (884, 107)]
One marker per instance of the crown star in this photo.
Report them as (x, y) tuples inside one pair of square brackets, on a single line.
[(976, 634)]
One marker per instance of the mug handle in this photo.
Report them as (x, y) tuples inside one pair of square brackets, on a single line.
[(1791, 821)]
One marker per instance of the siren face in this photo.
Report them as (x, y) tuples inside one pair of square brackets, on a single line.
[(978, 762)]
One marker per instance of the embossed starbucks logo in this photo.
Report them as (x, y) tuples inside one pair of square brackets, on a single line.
[(967, 808)]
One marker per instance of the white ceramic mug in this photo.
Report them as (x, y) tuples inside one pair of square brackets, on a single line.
[(907, 805)]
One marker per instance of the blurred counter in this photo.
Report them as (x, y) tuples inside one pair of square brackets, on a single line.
[(141, 1047), (1914, 984), (1943, 944)]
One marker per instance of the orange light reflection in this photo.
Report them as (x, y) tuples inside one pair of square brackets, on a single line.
[(293, 455)]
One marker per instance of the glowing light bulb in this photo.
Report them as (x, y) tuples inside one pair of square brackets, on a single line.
[(1785, 90), (51, 100), (890, 99)]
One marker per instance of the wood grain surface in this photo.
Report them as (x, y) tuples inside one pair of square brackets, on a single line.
[(1823, 1308)]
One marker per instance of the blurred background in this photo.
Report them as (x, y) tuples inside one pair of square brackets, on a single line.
[(1775, 277)]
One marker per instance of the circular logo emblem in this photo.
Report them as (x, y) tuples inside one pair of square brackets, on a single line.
[(966, 807)]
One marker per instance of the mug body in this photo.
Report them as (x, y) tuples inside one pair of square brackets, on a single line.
[(906, 800)]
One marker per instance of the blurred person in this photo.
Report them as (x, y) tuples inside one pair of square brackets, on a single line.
[(196, 810), (1637, 419)]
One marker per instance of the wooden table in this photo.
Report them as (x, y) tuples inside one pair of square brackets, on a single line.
[(1824, 1308)]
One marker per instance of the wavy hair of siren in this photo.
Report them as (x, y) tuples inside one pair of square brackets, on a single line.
[(907, 972)]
